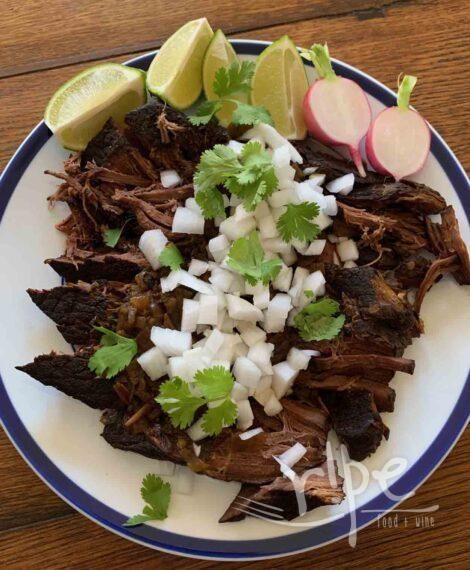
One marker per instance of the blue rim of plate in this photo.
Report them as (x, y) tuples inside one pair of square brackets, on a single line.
[(243, 549)]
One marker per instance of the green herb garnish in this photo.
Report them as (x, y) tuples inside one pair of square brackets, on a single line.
[(112, 236), (317, 321), (156, 493), (171, 257), (227, 83), (177, 399), (246, 256), (295, 222), (115, 354), (250, 176)]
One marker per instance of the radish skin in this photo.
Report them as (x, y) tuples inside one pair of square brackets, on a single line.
[(399, 139), (336, 109)]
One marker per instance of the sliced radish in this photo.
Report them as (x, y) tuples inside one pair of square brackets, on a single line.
[(154, 363), (151, 244), (399, 139), (336, 109)]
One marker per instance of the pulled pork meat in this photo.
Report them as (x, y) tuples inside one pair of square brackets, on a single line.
[(115, 183)]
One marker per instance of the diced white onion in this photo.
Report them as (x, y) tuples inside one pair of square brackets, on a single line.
[(222, 279), (170, 178), (251, 433), (273, 139), (347, 250), (214, 341), (198, 267), (236, 146), (283, 279), (283, 378), (245, 415), (309, 170), (260, 353), (350, 264), (242, 310), (265, 221), (316, 247), (190, 315), (183, 481), (191, 204), (272, 406), (317, 179), (194, 283), (250, 333), (323, 221), (264, 384), (208, 306), (342, 185), (151, 244), (154, 363), (246, 373), (280, 198), (239, 392), (330, 207), (195, 432), (292, 455), (277, 312), (171, 342), (298, 359), (315, 282), (186, 221), (219, 247), (235, 229), (177, 367)]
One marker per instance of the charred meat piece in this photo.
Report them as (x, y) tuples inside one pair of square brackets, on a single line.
[(408, 274), (167, 137), (410, 196), (111, 149), (317, 490), (437, 269), (70, 374), (74, 309), (356, 421), (331, 163), (91, 266)]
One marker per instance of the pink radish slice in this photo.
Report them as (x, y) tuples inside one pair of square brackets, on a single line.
[(336, 110), (399, 139)]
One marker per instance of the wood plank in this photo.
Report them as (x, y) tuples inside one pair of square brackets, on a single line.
[(68, 29), (73, 541), (411, 37)]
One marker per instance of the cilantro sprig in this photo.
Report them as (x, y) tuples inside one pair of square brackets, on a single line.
[(317, 321), (156, 493), (115, 354), (229, 82), (111, 236), (171, 257), (246, 256), (249, 175), (180, 401), (296, 222)]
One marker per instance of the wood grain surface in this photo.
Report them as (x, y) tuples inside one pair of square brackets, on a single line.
[(45, 42)]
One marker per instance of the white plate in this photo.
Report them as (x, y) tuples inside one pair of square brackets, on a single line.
[(59, 437)]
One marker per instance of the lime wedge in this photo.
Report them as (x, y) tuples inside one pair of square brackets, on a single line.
[(279, 84), (219, 54), (79, 108), (175, 74)]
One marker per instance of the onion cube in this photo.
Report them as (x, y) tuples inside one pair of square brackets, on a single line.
[(251, 433), (323, 221), (234, 229), (260, 353), (274, 139), (245, 415), (272, 406), (277, 312), (250, 333), (330, 207), (208, 305), (265, 220), (276, 245), (236, 146), (350, 264), (214, 341), (194, 283), (293, 455), (186, 221), (189, 319), (170, 282), (246, 373), (242, 310), (263, 397), (280, 198), (315, 282), (219, 247), (154, 363), (297, 284), (261, 298), (342, 185), (347, 250), (239, 392), (283, 378), (264, 384), (170, 178), (191, 204), (281, 156), (317, 179), (171, 342), (316, 247), (195, 432), (298, 359), (198, 267), (151, 244), (283, 279), (222, 279), (177, 367), (289, 257)]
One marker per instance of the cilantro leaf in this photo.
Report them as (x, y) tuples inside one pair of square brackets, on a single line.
[(219, 417), (235, 79), (295, 222), (246, 256), (156, 493), (115, 354), (215, 382), (215, 166), (171, 257), (211, 203), (317, 321), (309, 293), (111, 236), (177, 400), (246, 114), (205, 112)]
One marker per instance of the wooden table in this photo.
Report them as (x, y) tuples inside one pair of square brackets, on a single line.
[(45, 42)]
